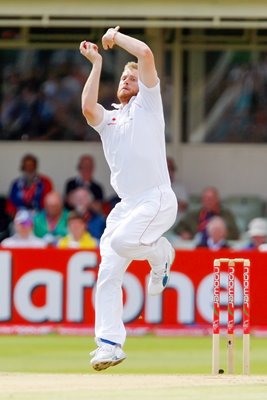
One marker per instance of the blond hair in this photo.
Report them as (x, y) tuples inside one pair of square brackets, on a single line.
[(131, 65)]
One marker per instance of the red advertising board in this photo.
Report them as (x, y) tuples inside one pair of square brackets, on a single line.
[(54, 289)]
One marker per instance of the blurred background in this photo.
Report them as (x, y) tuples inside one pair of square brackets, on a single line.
[(211, 58), (212, 61)]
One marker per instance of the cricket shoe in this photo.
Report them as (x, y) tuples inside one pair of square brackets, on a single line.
[(159, 276), (107, 355)]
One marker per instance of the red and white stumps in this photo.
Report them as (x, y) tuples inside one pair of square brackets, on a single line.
[(232, 264)]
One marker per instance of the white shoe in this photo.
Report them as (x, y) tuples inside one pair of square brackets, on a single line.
[(159, 277), (106, 356)]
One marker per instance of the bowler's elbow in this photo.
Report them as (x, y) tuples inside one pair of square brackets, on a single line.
[(87, 111), (146, 67), (146, 53)]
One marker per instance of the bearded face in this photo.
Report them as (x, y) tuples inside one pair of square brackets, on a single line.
[(128, 86)]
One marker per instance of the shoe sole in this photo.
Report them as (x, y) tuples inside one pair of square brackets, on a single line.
[(101, 365)]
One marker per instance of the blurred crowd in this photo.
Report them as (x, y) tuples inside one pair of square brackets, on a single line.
[(216, 224), (33, 214), (40, 96)]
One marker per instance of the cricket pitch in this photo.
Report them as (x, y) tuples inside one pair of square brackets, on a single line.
[(100, 386)]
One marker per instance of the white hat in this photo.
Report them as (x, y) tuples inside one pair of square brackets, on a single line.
[(257, 227), (23, 217), (262, 247)]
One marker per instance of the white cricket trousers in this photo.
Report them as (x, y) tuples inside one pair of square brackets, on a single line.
[(133, 232)]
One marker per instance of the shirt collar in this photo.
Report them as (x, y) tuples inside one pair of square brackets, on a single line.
[(120, 106)]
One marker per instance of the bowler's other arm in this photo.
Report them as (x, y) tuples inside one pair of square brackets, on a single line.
[(91, 109), (146, 64)]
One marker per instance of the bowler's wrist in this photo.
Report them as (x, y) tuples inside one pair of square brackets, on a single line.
[(97, 62), (113, 35)]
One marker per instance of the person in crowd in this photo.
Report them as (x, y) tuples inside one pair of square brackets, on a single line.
[(78, 237), (195, 222), (85, 179), (23, 236), (5, 220), (178, 187), (216, 238), (51, 223), (81, 201), (29, 190), (257, 233)]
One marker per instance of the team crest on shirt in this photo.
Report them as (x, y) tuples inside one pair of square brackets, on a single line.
[(113, 121)]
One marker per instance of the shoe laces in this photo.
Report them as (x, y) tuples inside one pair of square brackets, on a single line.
[(99, 344), (158, 275), (155, 278), (93, 353), (103, 347)]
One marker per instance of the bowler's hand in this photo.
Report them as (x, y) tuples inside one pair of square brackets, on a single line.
[(90, 51), (108, 38)]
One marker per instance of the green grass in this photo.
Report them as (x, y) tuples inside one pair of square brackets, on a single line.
[(146, 355), (166, 357)]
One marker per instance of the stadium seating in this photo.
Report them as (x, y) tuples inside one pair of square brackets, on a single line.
[(244, 208)]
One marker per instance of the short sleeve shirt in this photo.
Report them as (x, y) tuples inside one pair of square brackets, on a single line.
[(134, 143)]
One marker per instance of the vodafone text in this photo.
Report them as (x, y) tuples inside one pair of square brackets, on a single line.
[(67, 296)]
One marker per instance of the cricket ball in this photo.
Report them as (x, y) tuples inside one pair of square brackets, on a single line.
[(85, 45)]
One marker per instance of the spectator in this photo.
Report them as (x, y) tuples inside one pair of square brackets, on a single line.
[(81, 201), (216, 235), (78, 236), (85, 179), (24, 236), (51, 223), (28, 190), (178, 187), (195, 222), (257, 232), (5, 220)]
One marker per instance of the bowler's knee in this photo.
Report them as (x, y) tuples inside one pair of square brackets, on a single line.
[(111, 273), (121, 245)]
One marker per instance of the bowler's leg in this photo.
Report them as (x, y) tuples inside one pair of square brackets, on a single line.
[(109, 328), (139, 236), (109, 301)]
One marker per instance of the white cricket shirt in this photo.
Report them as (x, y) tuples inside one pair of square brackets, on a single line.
[(133, 141)]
